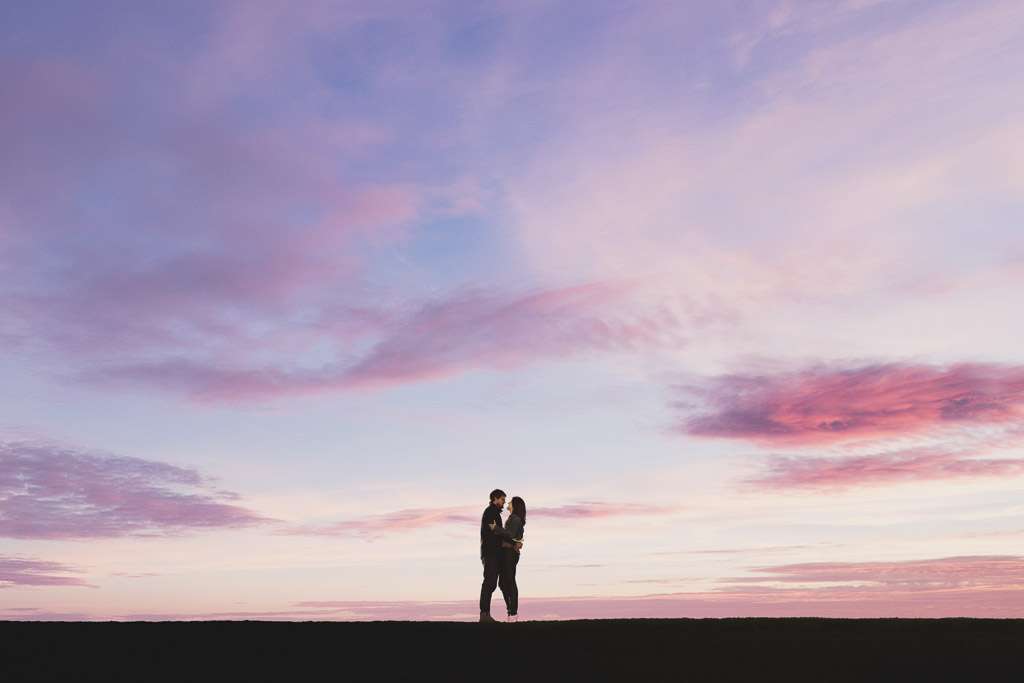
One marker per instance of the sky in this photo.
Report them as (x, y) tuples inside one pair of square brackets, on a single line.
[(728, 292)]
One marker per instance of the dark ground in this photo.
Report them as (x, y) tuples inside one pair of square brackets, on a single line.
[(758, 649)]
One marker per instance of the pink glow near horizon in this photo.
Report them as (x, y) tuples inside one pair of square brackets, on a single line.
[(942, 587)]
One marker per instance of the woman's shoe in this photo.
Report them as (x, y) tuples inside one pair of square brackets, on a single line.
[(513, 618)]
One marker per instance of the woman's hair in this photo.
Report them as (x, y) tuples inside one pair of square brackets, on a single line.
[(519, 508)]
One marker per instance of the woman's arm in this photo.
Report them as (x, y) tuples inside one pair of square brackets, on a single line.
[(513, 530)]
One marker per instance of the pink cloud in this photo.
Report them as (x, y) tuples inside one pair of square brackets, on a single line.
[(786, 472), (970, 571), (465, 331), (37, 614), (825, 405), (47, 492), (18, 571), (596, 510), (754, 550), (372, 526)]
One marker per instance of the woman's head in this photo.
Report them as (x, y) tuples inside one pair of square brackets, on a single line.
[(517, 506)]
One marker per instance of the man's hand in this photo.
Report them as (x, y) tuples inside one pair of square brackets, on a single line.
[(519, 546)]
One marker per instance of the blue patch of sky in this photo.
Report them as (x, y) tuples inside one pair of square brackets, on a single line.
[(446, 253)]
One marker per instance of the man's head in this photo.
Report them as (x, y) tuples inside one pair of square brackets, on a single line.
[(498, 498)]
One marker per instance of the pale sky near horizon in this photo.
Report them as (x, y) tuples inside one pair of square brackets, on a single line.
[(729, 292)]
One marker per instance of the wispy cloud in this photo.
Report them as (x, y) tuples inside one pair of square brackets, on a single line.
[(51, 492), (753, 550), (597, 509), (40, 614), (831, 98), (19, 571), (466, 331), (373, 526), (960, 572), (790, 472), (478, 329)]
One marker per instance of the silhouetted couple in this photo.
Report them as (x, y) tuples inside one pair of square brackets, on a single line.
[(500, 547)]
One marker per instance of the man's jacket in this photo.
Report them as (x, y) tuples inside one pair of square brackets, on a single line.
[(490, 542)]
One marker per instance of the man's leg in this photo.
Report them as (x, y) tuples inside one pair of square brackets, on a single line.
[(491, 570)]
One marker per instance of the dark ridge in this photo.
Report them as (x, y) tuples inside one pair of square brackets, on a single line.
[(623, 649)]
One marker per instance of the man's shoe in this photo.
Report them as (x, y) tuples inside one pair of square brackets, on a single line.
[(486, 618), (513, 618)]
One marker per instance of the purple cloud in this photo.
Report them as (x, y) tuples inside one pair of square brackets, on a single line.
[(47, 492), (18, 571), (482, 329), (219, 223), (159, 205), (466, 331), (827, 404)]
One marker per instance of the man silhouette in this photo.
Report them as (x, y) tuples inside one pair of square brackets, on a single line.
[(490, 552)]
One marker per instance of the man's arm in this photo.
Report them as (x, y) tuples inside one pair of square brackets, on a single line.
[(491, 516), (485, 520)]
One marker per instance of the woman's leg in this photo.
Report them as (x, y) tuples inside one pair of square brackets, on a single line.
[(502, 584), (511, 588)]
